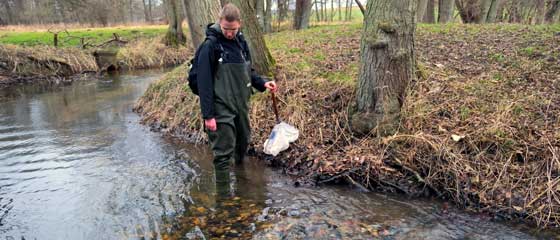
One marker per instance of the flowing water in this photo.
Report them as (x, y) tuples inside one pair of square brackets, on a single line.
[(75, 163)]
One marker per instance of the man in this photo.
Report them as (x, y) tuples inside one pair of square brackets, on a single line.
[(225, 80)]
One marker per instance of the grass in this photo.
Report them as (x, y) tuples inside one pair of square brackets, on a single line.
[(72, 36)]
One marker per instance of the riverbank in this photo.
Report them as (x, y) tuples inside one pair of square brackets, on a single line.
[(34, 61), (480, 126)]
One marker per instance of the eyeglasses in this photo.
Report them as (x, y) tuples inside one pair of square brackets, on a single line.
[(234, 30)]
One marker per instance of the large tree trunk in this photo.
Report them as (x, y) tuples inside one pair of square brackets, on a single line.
[(421, 9), (302, 14), (175, 35), (429, 16), (493, 11), (199, 15), (552, 11), (446, 8), (386, 66), (261, 58)]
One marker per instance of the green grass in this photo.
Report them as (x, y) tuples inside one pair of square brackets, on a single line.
[(356, 15), (93, 35)]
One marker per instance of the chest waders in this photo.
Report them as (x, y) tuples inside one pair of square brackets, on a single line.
[(232, 90)]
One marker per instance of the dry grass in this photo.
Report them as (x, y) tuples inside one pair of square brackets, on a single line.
[(44, 61), (146, 53)]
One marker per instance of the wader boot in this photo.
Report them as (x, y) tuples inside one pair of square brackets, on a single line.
[(232, 90)]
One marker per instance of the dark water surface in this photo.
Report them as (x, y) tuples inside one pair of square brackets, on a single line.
[(76, 164)]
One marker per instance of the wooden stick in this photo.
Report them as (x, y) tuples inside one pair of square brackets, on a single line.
[(275, 107)]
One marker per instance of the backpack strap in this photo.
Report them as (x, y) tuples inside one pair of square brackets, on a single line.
[(243, 45)]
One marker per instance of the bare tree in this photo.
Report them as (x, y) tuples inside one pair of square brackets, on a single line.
[(429, 16), (553, 9), (493, 11), (174, 35), (421, 9), (199, 15), (386, 66), (302, 14), (259, 11), (282, 10), (540, 12), (484, 7), (446, 8), (268, 17), (262, 60)]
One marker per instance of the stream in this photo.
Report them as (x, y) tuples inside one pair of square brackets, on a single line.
[(75, 163)]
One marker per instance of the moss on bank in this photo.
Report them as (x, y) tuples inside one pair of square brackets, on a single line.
[(478, 129)]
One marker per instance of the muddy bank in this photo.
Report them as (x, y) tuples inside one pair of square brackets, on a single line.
[(45, 64), (480, 126)]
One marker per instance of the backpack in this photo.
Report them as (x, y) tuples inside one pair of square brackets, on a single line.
[(193, 66)]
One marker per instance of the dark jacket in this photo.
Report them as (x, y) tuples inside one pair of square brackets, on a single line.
[(208, 61)]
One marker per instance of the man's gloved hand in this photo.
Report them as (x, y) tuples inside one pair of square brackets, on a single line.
[(271, 86), (210, 124)]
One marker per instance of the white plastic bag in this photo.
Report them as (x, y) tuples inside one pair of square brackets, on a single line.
[(280, 138)]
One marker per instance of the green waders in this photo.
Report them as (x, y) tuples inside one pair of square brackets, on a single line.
[(232, 90)]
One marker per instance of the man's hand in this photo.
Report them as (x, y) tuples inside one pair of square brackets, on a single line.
[(210, 124), (271, 86)]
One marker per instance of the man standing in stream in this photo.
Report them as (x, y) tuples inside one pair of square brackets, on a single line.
[(225, 78)]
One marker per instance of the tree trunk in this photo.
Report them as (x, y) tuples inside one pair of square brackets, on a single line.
[(485, 6), (361, 7), (302, 14), (350, 12), (470, 10), (262, 60), (421, 9), (386, 66), (282, 10), (322, 10), (175, 35), (429, 16), (493, 11), (146, 15), (317, 10), (268, 17), (541, 8), (347, 9), (199, 15), (552, 11), (150, 11), (332, 11), (446, 8), (259, 12), (339, 10)]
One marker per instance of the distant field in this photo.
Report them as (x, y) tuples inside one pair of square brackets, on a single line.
[(72, 37)]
